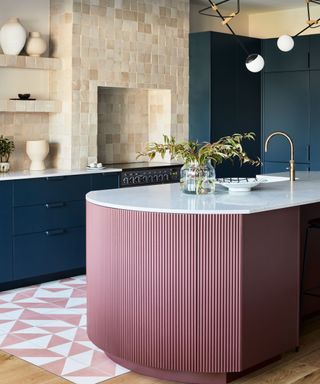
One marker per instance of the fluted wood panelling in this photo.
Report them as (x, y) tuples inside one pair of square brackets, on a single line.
[(164, 289)]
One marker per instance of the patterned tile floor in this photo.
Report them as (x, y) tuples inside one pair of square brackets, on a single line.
[(46, 325)]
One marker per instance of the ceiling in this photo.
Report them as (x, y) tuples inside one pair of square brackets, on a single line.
[(256, 6)]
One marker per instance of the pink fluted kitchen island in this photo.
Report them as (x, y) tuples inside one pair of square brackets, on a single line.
[(197, 289)]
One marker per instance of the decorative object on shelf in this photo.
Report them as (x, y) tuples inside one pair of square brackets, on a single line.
[(285, 42), (6, 148), (24, 96), (37, 151), (12, 37), (198, 174), (36, 45), (254, 61)]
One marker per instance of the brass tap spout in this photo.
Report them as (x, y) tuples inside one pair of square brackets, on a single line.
[(292, 162)]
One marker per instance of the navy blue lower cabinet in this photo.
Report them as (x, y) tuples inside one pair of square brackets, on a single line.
[(49, 216), (48, 252), (274, 167), (50, 189), (6, 231), (105, 180)]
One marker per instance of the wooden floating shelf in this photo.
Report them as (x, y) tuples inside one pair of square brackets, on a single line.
[(29, 62), (44, 106)]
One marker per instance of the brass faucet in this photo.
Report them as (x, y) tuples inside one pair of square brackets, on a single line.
[(292, 163)]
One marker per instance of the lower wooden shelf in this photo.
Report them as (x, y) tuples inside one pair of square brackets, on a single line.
[(39, 106)]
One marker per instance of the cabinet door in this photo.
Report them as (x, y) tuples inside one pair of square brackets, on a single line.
[(286, 108), (49, 252), (276, 60), (50, 189), (270, 167), (200, 86), (315, 120), (315, 52), (5, 231), (105, 181)]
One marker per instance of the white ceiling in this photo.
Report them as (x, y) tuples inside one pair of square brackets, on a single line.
[(256, 6)]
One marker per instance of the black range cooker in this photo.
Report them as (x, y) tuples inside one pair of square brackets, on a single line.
[(135, 174)]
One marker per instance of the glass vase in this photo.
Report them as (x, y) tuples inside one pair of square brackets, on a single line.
[(197, 179)]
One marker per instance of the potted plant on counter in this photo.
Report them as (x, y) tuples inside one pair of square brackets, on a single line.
[(198, 173), (6, 148)]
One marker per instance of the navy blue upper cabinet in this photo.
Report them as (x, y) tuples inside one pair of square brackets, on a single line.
[(276, 60), (314, 52), (200, 84), (315, 120), (224, 96), (286, 108), (6, 269)]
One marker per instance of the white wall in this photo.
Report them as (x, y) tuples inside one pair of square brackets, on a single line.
[(200, 23), (274, 24), (35, 16)]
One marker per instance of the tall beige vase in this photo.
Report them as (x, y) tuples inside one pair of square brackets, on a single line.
[(37, 151)]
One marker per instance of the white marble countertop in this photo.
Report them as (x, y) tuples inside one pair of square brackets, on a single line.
[(16, 175), (168, 198)]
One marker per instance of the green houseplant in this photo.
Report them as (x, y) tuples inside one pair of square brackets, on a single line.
[(6, 149), (198, 174)]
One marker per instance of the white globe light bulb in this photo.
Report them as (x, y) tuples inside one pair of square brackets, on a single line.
[(285, 43), (255, 63)]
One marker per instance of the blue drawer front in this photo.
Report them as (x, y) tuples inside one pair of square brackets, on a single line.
[(44, 253), (39, 218), (105, 181), (51, 189), (5, 231)]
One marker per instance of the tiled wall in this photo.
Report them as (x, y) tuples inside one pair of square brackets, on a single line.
[(123, 124), (127, 43), (23, 127)]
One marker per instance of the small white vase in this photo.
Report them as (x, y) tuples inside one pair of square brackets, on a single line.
[(4, 167), (37, 151), (12, 37), (36, 45)]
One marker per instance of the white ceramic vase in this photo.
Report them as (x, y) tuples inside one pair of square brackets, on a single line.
[(36, 45), (4, 167), (12, 37), (37, 151)]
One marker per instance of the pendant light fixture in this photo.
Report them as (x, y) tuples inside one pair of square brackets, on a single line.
[(254, 61), (285, 42)]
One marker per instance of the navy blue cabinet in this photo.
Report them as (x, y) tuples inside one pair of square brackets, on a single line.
[(314, 52), (105, 181), (274, 167), (315, 120), (276, 60), (43, 226), (224, 96), (6, 231), (49, 252), (286, 108), (50, 189)]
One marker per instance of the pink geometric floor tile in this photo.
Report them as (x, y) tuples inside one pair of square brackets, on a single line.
[(46, 326)]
